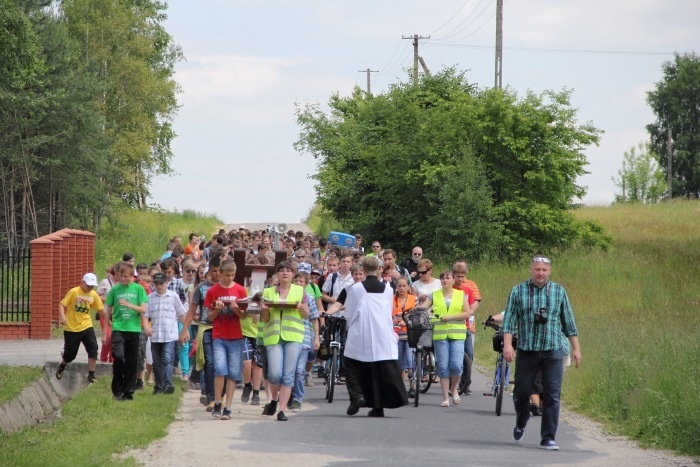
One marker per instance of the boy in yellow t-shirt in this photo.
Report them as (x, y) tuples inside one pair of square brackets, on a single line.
[(74, 313)]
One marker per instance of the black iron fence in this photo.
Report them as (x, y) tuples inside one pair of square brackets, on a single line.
[(15, 284)]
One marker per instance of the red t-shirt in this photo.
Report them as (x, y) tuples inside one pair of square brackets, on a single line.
[(227, 325)]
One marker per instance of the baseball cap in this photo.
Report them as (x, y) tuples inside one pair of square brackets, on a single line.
[(304, 267), (316, 271), (241, 227), (160, 278), (90, 279)]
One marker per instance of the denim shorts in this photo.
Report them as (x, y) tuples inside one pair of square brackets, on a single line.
[(228, 358)]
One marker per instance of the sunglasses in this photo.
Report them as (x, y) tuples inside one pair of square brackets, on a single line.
[(300, 256), (541, 259), (375, 246), (423, 272), (191, 271)]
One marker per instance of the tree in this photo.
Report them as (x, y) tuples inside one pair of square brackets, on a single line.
[(640, 179), (675, 101), (457, 170)]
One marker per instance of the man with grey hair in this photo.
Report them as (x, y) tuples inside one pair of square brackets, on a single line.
[(373, 375)]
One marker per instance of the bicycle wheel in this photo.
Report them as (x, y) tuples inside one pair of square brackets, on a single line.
[(466, 379), (417, 375), (333, 373), (501, 386), (427, 376)]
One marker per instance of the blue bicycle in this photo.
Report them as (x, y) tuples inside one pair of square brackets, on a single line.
[(501, 379)]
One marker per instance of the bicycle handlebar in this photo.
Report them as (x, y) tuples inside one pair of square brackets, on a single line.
[(491, 324)]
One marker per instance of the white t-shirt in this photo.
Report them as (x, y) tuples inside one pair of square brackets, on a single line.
[(422, 288), (340, 283)]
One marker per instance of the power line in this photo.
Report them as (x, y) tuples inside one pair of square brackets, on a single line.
[(540, 49), (457, 31), (451, 18)]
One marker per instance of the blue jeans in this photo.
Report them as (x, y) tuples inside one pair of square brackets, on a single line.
[(300, 373), (208, 344), (469, 345), (282, 359), (449, 354), (163, 359), (526, 366), (405, 356), (228, 358)]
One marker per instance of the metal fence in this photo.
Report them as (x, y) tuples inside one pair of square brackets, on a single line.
[(15, 284)]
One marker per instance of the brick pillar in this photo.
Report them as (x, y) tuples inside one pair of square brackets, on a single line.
[(56, 276), (41, 300)]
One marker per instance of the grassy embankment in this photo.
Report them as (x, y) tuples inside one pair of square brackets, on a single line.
[(92, 426), (637, 308)]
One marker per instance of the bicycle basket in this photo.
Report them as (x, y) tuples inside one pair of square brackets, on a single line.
[(419, 328), (324, 350), (498, 342)]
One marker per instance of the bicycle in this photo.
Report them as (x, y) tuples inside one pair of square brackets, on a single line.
[(419, 327), (501, 377), (332, 335)]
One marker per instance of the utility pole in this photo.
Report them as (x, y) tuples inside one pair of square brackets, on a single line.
[(669, 155), (415, 38), (368, 71), (499, 44)]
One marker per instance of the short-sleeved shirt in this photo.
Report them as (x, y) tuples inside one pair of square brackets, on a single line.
[(200, 292), (123, 318), (164, 311), (227, 324), (78, 305), (309, 330), (334, 289)]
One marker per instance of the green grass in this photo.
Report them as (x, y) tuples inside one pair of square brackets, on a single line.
[(15, 379), (91, 428), (637, 310), (146, 233)]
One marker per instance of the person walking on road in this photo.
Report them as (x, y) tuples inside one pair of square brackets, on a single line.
[(540, 310)]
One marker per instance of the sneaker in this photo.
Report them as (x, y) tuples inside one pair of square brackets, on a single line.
[(128, 397), (247, 389), (255, 400), (295, 407), (203, 400), (281, 417), (92, 379), (535, 410), (467, 392), (239, 384), (59, 370), (169, 389), (270, 408), (518, 433), (216, 413), (139, 385), (411, 393), (192, 386), (118, 397), (210, 406), (549, 445), (185, 378), (308, 381), (226, 414)]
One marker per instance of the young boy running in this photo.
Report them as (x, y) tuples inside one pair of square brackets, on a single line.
[(125, 308), (74, 313), (221, 301)]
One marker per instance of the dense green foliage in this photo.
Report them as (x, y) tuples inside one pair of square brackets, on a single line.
[(676, 103), (636, 309), (458, 170), (641, 180), (86, 104)]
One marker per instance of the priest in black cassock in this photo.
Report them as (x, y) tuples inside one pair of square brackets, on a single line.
[(372, 373)]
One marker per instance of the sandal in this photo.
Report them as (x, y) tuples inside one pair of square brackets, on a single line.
[(445, 404), (456, 399)]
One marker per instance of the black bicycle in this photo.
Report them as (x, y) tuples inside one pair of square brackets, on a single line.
[(501, 378), (419, 327), (330, 350)]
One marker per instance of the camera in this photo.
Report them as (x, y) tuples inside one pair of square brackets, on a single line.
[(541, 316)]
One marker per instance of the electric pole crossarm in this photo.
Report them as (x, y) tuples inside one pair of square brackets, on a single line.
[(416, 58), (368, 71)]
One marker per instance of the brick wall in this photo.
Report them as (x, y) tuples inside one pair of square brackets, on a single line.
[(59, 261)]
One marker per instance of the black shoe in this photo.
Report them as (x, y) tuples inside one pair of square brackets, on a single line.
[(216, 413), (59, 370), (157, 391), (518, 433), (169, 389), (128, 397), (467, 392), (270, 408), (247, 389), (91, 378), (281, 417), (118, 397), (411, 394), (535, 410), (376, 413), (355, 405), (226, 414), (139, 385)]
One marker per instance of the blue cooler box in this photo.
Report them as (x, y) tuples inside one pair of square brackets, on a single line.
[(341, 239)]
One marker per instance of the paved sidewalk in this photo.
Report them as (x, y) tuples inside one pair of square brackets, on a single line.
[(34, 352)]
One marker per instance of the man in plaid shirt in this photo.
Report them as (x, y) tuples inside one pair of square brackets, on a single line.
[(540, 311)]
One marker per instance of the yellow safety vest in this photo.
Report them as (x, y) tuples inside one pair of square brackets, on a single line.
[(286, 323), (456, 330), (249, 328)]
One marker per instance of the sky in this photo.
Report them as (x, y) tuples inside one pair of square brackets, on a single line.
[(248, 63)]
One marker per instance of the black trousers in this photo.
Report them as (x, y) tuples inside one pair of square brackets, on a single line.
[(380, 383), (125, 350)]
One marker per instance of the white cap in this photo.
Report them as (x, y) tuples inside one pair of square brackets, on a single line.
[(242, 226), (90, 279)]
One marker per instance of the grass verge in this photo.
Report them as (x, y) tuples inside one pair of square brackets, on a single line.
[(15, 379), (92, 426)]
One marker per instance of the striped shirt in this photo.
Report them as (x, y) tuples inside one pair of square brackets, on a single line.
[(523, 304), (163, 311), (309, 331)]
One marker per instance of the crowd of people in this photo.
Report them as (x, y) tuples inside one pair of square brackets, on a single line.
[(183, 315)]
